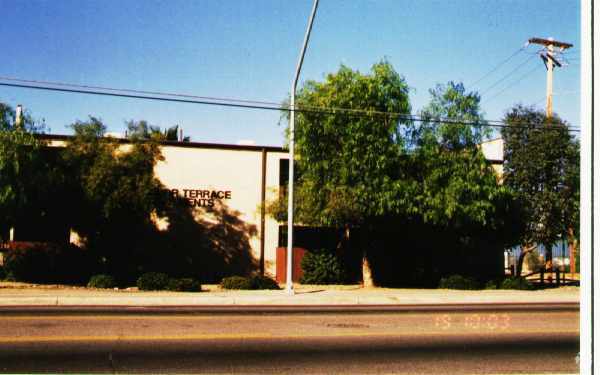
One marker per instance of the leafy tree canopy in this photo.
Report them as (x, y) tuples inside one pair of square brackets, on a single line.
[(541, 163), (465, 126), (116, 182), (24, 169), (114, 194), (349, 163), (457, 186), (142, 130)]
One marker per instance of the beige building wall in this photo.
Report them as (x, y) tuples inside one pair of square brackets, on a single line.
[(235, 175), (493, 150), (271, 225), (233, 171)]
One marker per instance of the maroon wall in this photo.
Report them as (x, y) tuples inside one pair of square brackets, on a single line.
[(281, 264)]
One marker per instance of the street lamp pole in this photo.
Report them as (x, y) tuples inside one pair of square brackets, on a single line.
[(290, 230)]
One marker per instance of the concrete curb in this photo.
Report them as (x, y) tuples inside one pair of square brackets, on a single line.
[(331, 299)]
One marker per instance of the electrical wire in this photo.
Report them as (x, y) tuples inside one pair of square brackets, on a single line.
[(511, 84), (299, 109), (212, 98), (498, 66), (161, 93), (507, 75), (277, 105)]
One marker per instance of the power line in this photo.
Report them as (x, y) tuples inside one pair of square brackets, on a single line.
[(498, 66), (300, 109), (143, 92), (511, 84), (507, 75), (212, 99)]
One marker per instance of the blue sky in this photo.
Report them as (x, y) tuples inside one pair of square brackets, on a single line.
[(248, 50)]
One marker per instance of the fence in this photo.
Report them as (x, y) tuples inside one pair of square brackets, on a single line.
[(560, 264), (560, 250)]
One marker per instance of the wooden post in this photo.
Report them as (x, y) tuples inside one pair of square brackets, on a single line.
[(550, 61), (550, 66)]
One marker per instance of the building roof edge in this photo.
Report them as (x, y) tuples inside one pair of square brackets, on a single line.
[(222, 146)]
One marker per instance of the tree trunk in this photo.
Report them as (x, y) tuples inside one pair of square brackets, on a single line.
[(367, 274), (526, 250)]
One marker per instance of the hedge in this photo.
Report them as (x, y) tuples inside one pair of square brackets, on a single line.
[(249, 283), (321, 267), (102, 281), (184, 285), (153, 281), (459, 282)]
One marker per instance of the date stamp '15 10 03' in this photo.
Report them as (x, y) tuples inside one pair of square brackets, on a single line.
[(473, 321)]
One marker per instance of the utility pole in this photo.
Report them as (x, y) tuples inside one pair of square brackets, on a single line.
[(550, 61), (290, 234)]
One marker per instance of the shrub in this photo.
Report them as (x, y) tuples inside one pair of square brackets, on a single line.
[(45, 262), (184, 285), (321, 267), (459, 282), (153, 281), (263, 282), (236, 282), (492, 284), (515, 282), (33, 264), (2, 273), (102, 281), (249, 283)]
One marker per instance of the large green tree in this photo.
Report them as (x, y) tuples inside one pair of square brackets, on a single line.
[(28, 177), (456, 184), (458, 193), (114, 195), (365, 170), (348, 162), (541, 163)]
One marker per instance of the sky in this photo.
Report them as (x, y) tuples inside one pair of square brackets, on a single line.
[(249, 50)]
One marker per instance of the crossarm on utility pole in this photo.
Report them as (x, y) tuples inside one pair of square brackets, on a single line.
[(550, 62)]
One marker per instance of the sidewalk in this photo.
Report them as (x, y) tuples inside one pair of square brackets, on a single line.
[(12, 294)]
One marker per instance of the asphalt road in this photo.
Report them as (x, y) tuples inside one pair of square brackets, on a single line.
[(498, 339)]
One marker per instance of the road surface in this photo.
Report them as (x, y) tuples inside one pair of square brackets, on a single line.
[(517, 339)]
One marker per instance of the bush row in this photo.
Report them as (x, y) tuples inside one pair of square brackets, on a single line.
[(52, 263), (70, 264), (161, 281), (149, 281), (467, 283), (249, 283)]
